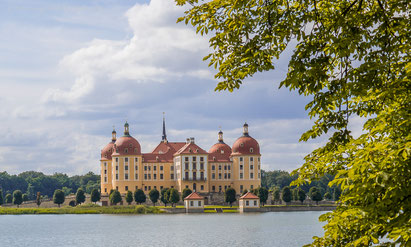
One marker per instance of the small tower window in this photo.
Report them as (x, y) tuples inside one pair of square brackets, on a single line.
[(126, 150), (222, 151), (241, 144), (251, 150), (131, 145), (135, 150)]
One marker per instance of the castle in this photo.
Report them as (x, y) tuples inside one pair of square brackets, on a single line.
[(180, 165)]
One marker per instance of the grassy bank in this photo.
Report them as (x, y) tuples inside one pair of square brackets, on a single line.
[(83, 209)]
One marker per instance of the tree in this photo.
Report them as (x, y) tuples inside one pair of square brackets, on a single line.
[(286, 194), (67, 191), (154, 195), (315, 195), (174, 197), (9, 198), (17, 198), (25, 197), (244, 192), (352, 59), (301, 195), (80, 196), (229, 196), (337, 193), (263, 194), (115, 197), (38, 199), (327, 195), (58, 197), (295, 194), (186, 192), (139, 196), (95, 195), (1, 197), (129, 197), (30, 192), (164, 196), (276, 195)]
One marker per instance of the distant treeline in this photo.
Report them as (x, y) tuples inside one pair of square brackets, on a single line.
[(280, 179), (31, 182)]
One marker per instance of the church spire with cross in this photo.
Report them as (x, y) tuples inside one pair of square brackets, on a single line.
[(164, 138)]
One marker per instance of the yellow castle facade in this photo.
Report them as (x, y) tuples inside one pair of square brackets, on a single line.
[(180, 165)]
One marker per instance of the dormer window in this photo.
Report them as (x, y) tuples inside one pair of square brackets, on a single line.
[(222, 151), (197, 150), (241, 144), (251, 150), (135, 150), (214, 158), (105, 156), (157, 158), (131, 145), (126, 150)]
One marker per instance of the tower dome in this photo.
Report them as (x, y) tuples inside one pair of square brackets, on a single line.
[(107, 151), (127, 145), (220, 147), (245, 145)]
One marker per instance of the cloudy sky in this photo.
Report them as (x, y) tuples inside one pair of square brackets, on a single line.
[(70, 70)]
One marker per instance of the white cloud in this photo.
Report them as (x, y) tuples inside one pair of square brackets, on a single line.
[(158, 51)]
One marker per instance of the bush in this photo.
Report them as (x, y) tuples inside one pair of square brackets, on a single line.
[(17, 198), (115, 197), (95, 195), (58, 197), (164, 196), (80, 196), (9, 198), (154, 195), (139, 196), (25, 197), (229, 196), (286, 195), (129, 197), (174, 196)]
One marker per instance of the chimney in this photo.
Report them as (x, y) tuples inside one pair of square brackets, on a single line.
[(191, 139), (188, 140)]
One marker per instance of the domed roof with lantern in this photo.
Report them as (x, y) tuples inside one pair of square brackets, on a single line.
[(127, 145), (220, 151), (108, 150), (245, 145)]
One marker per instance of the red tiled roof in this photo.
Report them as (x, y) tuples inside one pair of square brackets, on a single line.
[(243, 145), (163, 152), (249, 195), (216, 155), (194, 196), (107, 151), (191, 148), (129, 143)]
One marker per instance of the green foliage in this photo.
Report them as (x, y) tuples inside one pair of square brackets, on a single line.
[(337, 194), (129, 197), (83, 209), (286, 194), (276, 194), (164, 196), (262, 192), (38, 199), (9, 198), (80, 196), (139, 196), (301, 195), (58, 197), (244, 192), (30, 182), (327, 196), (95, 195), (229, 196), (67, 191), (17, 197), (315, 194), (174, 196), (115, 197), (25, 197), (154, 195), (352, 59), (1, 197), (186, 192)]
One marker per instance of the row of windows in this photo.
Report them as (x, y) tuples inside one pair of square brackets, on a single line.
[(251, 159), (220, 176), (194, 158), (194, 166), (146, 188), (146, 176), (226, 167)]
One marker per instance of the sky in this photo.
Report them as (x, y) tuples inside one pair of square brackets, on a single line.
[(71, 70)]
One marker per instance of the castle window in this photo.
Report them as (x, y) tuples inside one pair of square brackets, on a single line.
[(241, 188), (258, 159), (136, 160), (241, 159), (116, 168), (145, 188), (126, 188), (241, 167), (255, 203), (229, 175), (251, 159), (161, 168), (117, 160), (213, 188), (251, 150), (251, 175), (219, 167), (251, 167), (229, 167), (161, 176), (154, 176), (201, 158), (191, 203), (126, 159), (186, 164), (201, 166), (131, 145), (116, 176), (126, 150), (213, 176), (241, 144), (105, 156), (136, 168), (149, 168), (149, 176), (136, 187), (171, 168), (105, 171), (105, 190), (259, 175), (105, 179), (135, 150), (186, 158), (202, 188), (197, 150), (241, 175), (154, 168), (194, 166), (136, 177), (213, 167), (214, 158), (247, 203), (126, 167), (219, 188), (145, 168), (171, 176), (222, 151), (194, 158), (145, 176), (219, 176), (225, 168), (126, 176), (225, 175), (251, 187)]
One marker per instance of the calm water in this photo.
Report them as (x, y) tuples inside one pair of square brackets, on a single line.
[(266, 229)]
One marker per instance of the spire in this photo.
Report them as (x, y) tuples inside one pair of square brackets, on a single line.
[(126, 130), (113, 135), (164, 138), (220, 136), (245, 130)]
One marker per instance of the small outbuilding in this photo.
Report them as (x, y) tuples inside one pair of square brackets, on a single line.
[(194, 203), (249, 203)]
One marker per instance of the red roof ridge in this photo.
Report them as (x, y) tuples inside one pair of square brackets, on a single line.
[(194, 196), (249, 195)]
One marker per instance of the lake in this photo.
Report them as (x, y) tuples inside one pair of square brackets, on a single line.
[(252, 229)]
